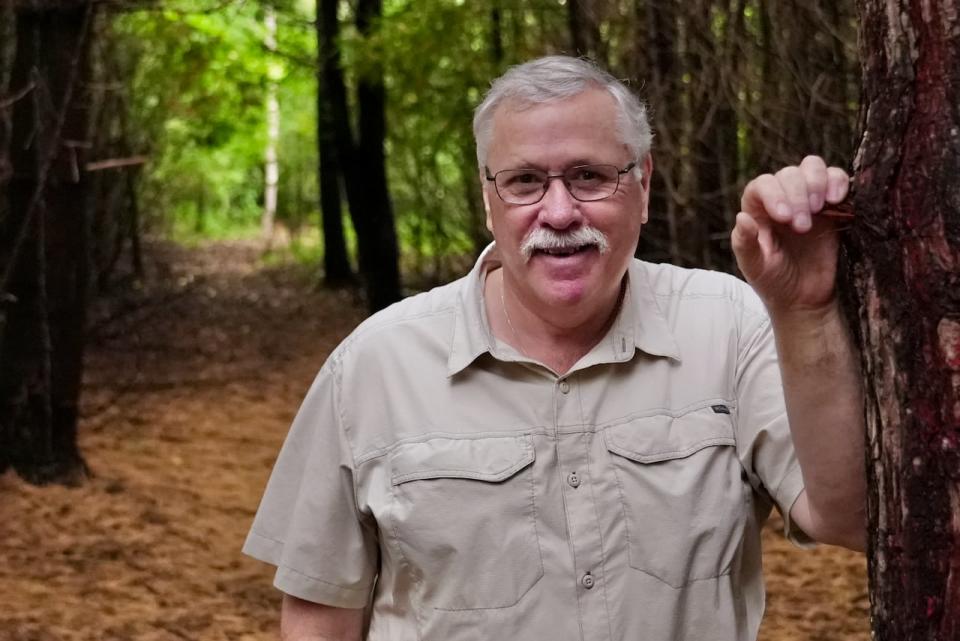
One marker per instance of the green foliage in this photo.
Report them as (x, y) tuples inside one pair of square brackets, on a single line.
[(197, 95), (197, 92)]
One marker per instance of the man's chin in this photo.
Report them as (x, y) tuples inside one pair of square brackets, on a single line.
[(563, 295)]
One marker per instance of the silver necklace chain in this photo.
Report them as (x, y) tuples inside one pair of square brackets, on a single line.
[(506, 314)]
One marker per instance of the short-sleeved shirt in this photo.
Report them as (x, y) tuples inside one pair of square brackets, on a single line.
[(465, 493)]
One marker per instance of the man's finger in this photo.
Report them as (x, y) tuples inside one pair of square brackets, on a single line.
[(763, 197), (794, 185), (815, 172), (838, 185)]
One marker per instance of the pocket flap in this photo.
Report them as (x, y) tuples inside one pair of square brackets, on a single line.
[(660, 438), (486, 459)]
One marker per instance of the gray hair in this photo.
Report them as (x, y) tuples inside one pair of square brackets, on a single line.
[(555, 78)]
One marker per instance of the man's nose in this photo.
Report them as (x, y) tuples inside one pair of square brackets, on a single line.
[(558, 208)]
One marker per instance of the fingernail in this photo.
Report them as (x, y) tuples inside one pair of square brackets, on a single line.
[(802, 222), (783, 212), (816, 202)]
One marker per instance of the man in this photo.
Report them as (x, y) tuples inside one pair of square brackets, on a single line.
[(568, 444)]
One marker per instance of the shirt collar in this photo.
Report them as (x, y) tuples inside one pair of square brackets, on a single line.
[(640, 324), (471, 334)]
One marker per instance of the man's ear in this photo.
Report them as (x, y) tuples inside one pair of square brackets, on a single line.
[(486, 207), (646, 166)]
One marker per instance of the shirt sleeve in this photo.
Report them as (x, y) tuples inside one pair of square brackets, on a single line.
[(763, 432), (308, 523)]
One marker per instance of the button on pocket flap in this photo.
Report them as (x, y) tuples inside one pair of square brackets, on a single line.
[(660, 438), (487, 459)]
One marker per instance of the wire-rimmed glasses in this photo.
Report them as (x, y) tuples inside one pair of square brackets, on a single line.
[(585, 183)]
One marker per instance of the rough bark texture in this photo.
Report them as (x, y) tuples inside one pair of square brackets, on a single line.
[(43, 256), (904, 278)]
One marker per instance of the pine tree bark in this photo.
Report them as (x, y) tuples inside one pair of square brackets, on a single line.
[(904, 281), (43, 259)]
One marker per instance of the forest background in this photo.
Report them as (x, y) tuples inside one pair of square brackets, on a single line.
[(180, 175)]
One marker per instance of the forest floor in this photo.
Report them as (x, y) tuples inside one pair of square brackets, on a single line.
[(191, 383)]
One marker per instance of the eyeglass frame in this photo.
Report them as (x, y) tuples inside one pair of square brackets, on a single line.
[(548, 177)]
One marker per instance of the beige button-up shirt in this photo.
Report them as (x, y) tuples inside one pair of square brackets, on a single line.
[(465, 493)]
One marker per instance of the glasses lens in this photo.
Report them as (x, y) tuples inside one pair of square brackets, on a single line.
[(592, 182), (521, 186)]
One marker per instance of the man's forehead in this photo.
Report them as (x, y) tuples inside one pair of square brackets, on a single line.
[(583, 127)]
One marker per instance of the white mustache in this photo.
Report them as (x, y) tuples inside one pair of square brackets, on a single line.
[(545, 238)]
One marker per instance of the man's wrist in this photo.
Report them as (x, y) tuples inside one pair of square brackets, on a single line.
[(807, 319)]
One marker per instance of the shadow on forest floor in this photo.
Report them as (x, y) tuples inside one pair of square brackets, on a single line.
[(191, 384)]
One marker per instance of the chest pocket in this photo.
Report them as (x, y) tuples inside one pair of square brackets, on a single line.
[(683, 498), (464, 517)]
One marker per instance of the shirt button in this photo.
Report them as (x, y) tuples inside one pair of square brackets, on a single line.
[(573, 479), (587, 581), (564, 387)]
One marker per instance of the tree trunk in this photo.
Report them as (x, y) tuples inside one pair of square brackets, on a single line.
[(584, 30), (713, 123), (660, 239), (378, 234), (8, 40), (831, 91), (336, 263), (44, 255), (764, 108), (271, 164), (363, 164), (904, 281), (496, 35)]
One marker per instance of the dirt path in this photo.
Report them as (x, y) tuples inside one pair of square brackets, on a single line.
[(189, 392)]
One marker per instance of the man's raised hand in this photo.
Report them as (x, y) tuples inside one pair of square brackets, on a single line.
[(784, 242)]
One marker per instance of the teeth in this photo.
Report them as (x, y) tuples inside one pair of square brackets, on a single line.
[(563, 251)]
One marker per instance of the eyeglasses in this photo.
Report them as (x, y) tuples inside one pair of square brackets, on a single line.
[(585, 183)]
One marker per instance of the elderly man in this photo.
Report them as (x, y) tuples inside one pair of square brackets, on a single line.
[(567, 443)]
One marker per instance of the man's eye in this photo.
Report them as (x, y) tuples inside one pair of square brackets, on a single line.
[(586, 175), (525, 178)]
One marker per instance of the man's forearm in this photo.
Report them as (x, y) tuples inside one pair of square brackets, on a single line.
[(306, 621), (824, 398)]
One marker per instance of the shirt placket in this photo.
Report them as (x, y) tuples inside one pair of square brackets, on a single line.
[(574, 441)]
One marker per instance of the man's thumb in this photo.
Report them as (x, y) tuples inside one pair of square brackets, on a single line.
[(745, 241)]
